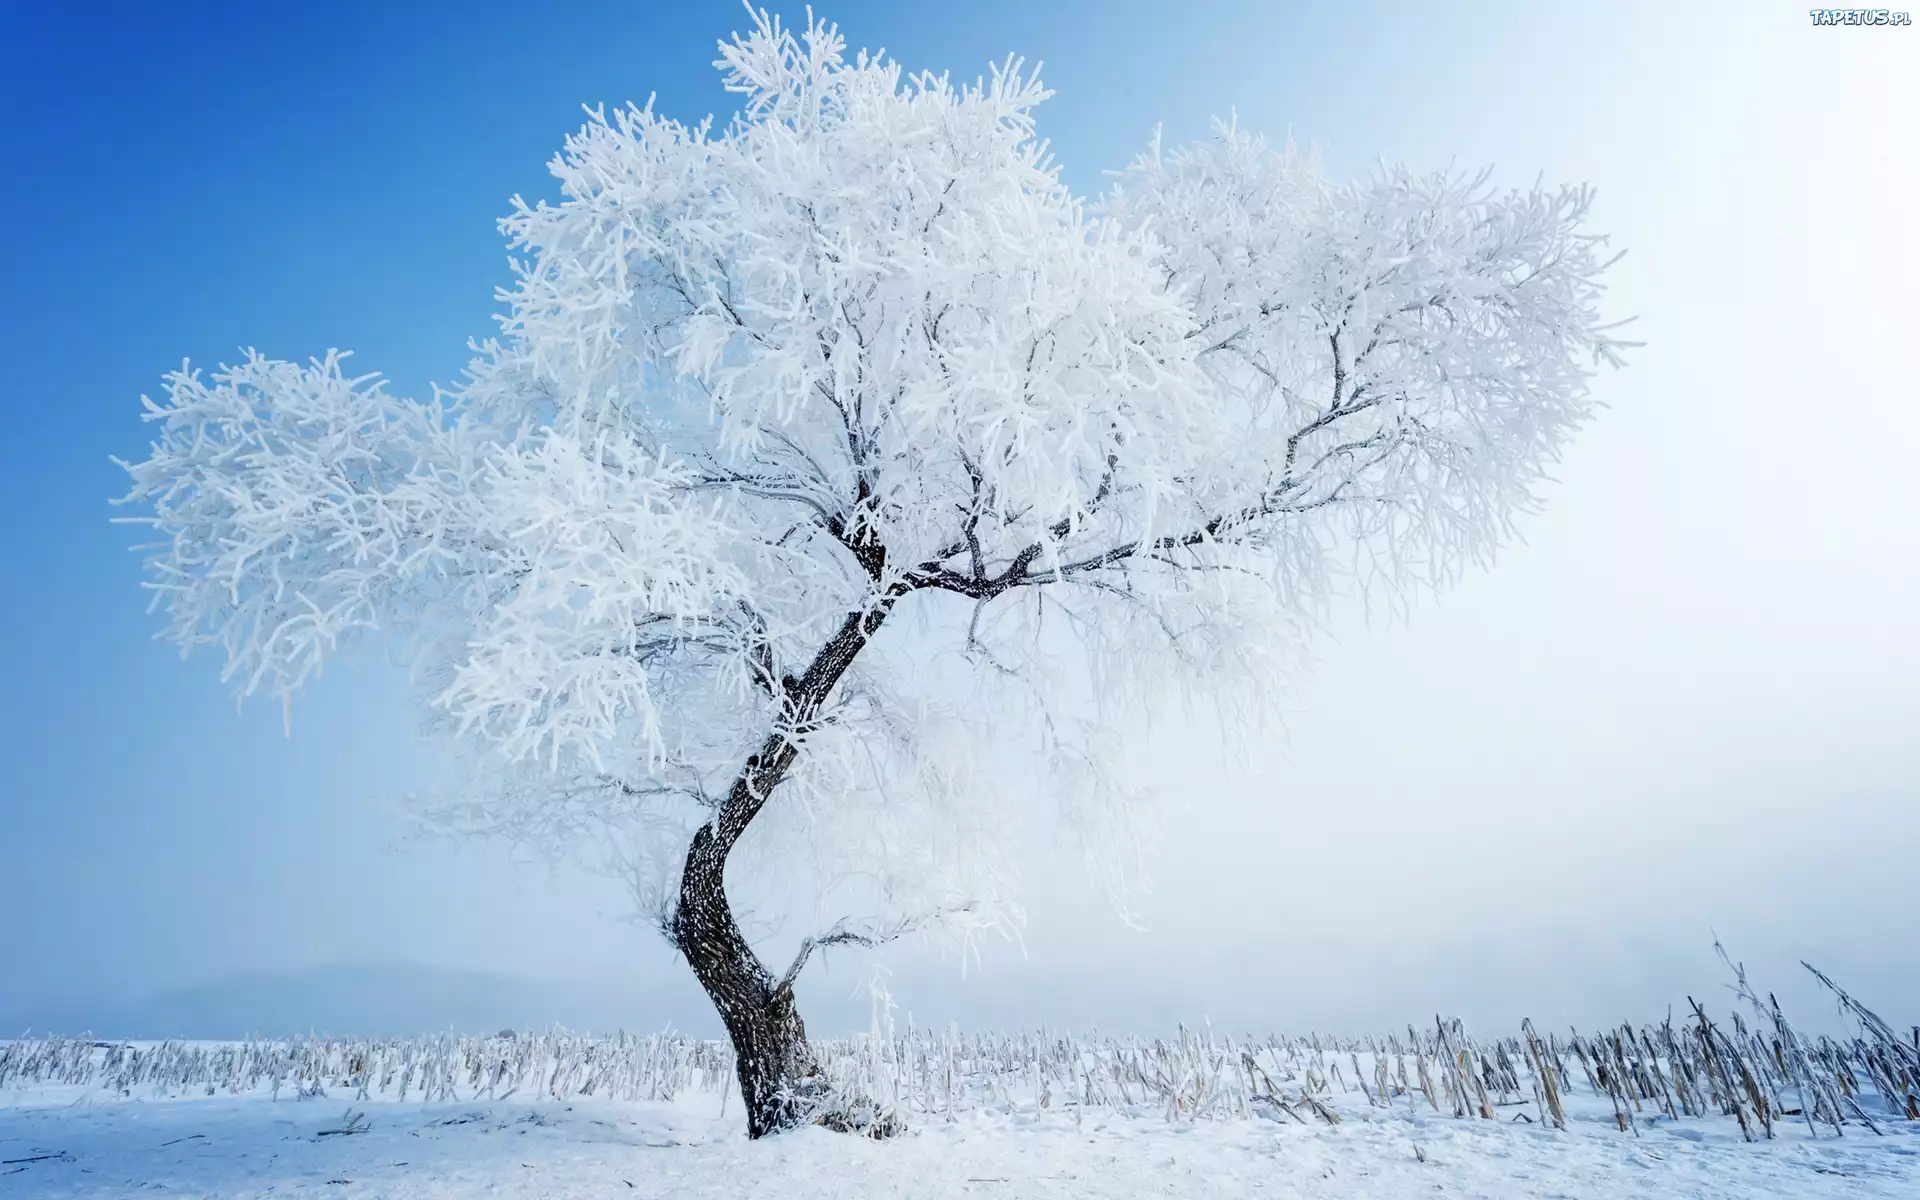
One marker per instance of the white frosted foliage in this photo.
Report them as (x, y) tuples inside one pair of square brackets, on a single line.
[(861, 351)]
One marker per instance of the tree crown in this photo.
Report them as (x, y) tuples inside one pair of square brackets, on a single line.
[(756, 389)]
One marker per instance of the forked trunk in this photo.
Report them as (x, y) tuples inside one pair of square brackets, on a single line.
[(779, 1079)]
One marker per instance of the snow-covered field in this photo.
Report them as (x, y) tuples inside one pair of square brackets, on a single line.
[(59, 1143), (559, 1115)]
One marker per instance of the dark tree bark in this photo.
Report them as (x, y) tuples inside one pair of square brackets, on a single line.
[(779, 1077), (775, 1066)]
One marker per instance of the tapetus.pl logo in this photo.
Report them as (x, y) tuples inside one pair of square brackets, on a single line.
[(1860, 16)]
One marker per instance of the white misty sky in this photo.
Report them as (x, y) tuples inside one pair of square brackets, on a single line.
[(1687, 703)]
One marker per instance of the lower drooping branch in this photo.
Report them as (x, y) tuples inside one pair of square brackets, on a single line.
[(840, 935)]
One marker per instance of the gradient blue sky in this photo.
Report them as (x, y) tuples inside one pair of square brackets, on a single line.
[(1688, 702)]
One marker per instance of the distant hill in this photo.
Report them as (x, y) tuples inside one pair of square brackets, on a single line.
[(374, 1001)]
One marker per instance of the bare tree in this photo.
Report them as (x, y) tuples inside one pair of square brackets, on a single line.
[(757, 393)]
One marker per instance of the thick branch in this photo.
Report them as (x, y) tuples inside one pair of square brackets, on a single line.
[(1347, 401)]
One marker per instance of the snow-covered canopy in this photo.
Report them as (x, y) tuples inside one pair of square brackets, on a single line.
[(862, 352)]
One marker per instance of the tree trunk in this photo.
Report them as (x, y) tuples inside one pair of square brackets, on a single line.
[(780, 1083), (778, 1076)]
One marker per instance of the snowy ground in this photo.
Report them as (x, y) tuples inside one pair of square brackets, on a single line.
[(78, 1142)]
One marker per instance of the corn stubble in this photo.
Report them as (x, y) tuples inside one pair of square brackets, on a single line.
[(1757, 1074)]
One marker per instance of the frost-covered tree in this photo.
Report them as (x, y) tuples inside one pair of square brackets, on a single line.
[(779, 414)]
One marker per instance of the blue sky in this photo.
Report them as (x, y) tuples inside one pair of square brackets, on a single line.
[(1688, 702)]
